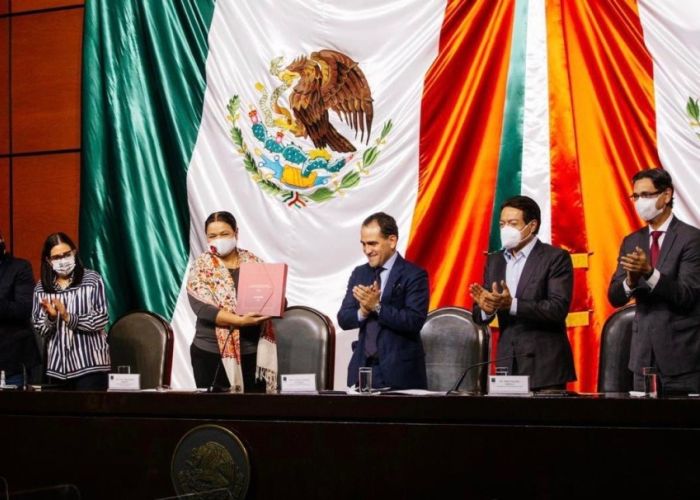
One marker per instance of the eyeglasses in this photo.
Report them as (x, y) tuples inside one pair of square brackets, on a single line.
[(644, 195), (61, 256)]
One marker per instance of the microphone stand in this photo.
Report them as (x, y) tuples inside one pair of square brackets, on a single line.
[(213, 388), (484, 363), (25, 386)]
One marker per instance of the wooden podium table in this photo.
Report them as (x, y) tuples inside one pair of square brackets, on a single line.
[(121, 445)]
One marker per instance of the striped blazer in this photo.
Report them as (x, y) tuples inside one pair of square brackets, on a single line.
[(78, 346)]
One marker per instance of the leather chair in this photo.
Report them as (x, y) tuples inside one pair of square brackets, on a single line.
[(613, 374), (306, 344), (453, 342), (144, 341)]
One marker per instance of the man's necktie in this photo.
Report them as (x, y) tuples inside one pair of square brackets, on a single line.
[(372, 326), (655, 248)]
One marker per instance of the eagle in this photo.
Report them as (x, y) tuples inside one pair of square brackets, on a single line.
[(329, 80)]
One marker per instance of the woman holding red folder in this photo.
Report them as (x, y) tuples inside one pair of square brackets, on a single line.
[(243, 345)]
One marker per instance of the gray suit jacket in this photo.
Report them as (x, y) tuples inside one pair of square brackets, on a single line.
[(667, 320), (539, 327)]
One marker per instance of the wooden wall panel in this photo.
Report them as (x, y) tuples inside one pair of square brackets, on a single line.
[(46, 57), (29, 5), (5, 200), (4, 86), (46, 194)]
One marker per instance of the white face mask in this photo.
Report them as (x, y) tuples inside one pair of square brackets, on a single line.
[(646, 208), (63, 267), (511, 237), (223, 246)]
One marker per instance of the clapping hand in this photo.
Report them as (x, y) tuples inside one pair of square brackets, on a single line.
[(636, 265), (493, 300), (48, 306), (60, 308), (367, 296)]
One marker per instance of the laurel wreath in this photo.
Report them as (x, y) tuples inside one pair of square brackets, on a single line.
[(693, 110), (361, 167)]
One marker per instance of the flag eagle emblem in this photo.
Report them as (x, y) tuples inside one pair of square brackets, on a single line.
[(290, 147)]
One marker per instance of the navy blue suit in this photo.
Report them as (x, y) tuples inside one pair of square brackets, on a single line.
[(404, 308)]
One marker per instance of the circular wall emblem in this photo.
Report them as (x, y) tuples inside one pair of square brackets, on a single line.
[(211, 459)]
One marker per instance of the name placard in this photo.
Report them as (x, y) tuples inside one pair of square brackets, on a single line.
[(298, 382), (509, 385), (124, 382)]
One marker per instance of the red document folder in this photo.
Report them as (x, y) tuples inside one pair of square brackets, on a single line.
[(262, 289)]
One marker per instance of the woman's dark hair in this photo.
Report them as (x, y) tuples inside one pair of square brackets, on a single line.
[(226, 217), (528, 206), (47, 272)]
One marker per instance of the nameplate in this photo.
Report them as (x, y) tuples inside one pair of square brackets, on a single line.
[(298, 382), (509, 384), (124, 382)]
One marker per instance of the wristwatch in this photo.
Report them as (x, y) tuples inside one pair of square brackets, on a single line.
[(378, 308)]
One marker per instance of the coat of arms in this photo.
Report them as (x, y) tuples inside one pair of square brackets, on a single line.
[(298, 154)]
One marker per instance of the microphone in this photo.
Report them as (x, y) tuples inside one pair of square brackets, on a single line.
[(25, 386), (484, 363), (213, 387)]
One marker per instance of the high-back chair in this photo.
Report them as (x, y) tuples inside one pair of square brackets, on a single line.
[(143, 341), (615, 339), (452, 342), (306, 344)]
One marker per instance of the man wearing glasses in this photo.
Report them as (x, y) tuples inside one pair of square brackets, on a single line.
[(659, 267)]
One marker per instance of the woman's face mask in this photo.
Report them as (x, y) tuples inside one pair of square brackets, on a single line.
[(64, 266), (223, 246)]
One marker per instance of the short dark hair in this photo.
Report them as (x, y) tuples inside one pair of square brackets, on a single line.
[(222, 216), (659, 177), (387, 224), (47, 272), (529, 208)]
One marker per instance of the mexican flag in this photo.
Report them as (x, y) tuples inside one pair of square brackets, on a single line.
[(303, 117)]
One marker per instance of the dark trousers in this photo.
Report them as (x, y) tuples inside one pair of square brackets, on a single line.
[(89, 382), (204, 365)]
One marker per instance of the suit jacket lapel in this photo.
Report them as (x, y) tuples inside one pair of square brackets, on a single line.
[(393, 276), (499, 270), (643, 240), (530, 265), (669, 238)]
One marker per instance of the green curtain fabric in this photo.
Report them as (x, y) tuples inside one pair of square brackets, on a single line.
[(509, 181), (143, 91)]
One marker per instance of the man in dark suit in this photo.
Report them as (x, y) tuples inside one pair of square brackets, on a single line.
[(659, 267), (532, 320), (17, 342), (387, 299)]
